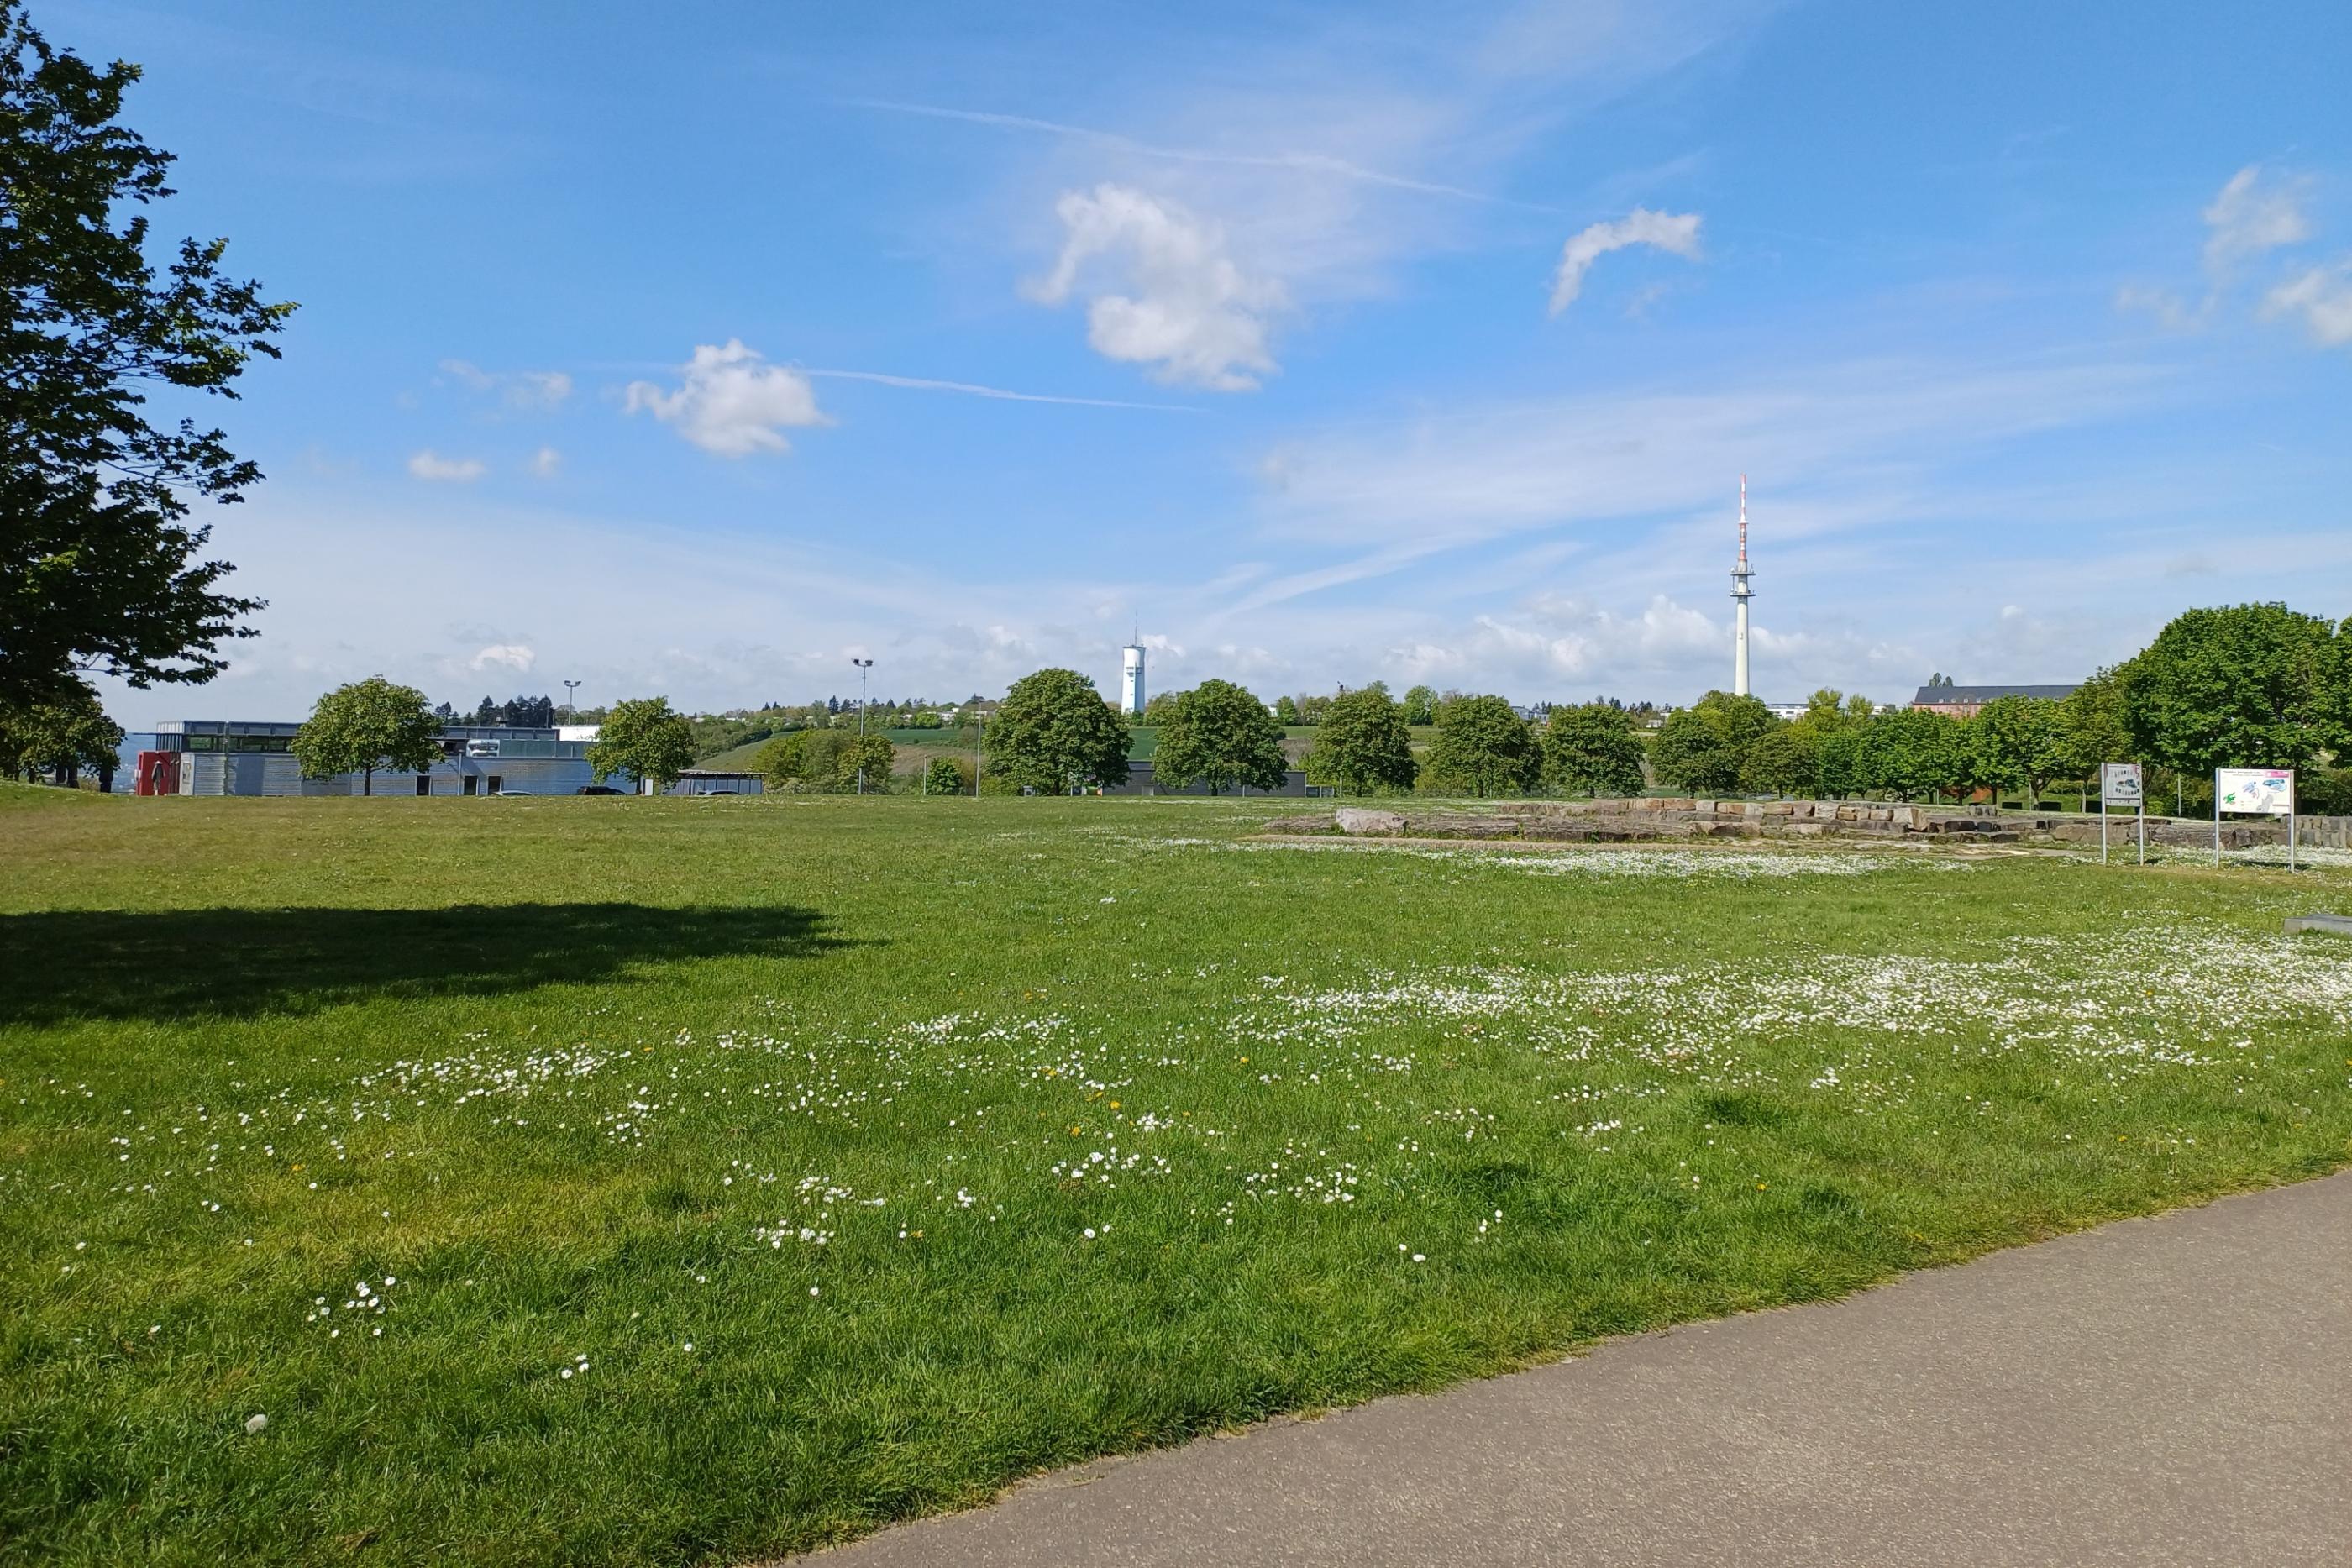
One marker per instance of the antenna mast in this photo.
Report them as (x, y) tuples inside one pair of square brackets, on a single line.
[(1741, 594)]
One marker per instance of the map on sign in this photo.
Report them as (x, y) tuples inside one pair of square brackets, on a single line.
[(2119, 783), (2255, 791)]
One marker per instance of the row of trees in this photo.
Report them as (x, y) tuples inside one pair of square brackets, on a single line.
[(60, 736), (2241, 685), (1054, 732), (827, 761), (2253, 686), (515, 713)]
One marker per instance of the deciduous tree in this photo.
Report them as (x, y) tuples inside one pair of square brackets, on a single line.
[(2246, 686), (1054, 732), (99, 567), (1221, 736), (865, 762), (61, 736), (1783, 761), (367, 724), (1702, 748), (1592, 750), (1362, 744), (947, 776), (645, 739), (1483, 748), (2019, 741), (2091, 729), (1837, 758), (1912, 752)]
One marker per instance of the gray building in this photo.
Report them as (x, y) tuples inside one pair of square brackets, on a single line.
[(708, 782), (1962, 702), (232, 756)]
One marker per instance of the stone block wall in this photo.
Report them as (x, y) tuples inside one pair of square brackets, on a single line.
[(1650, 818)]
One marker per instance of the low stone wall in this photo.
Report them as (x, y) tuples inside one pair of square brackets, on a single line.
[(1650, 818)]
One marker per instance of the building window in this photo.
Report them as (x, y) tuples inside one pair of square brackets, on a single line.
[(470, 785), (494, 782), (425, 783)]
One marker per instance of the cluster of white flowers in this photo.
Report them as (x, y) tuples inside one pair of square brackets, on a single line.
[(364, 1298)]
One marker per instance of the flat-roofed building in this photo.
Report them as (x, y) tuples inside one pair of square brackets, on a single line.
[(238, 756)]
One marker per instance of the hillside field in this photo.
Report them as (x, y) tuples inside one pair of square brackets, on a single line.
[(661, 1181)]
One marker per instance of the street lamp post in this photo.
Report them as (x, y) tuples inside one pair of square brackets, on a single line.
[(570, 702), (863, 665)]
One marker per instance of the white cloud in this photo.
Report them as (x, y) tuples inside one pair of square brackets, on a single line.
[(733, 401), (546, 463), (1674, 233), (2323, 297), (512, 656), (517, 389), (539, 388), (425, 464), (1188, 308), (1394, 492), (2170, 310), (2249, 217)]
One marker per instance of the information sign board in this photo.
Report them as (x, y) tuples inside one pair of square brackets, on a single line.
[(2119, 783), (2255, 791)]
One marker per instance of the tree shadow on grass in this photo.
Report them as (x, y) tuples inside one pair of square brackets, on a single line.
[(167, 966)]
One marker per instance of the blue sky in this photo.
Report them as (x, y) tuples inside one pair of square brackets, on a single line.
[(667, 350)]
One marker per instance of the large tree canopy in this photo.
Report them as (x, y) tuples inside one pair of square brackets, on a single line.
[(1362, 744), (61, 736), (1054, 732), (2019, 741), (1220, 736), (99, 568), (2247, 686), (365, 726), (1592, 750), (643, 739), (1703, 747), (1485, 749)]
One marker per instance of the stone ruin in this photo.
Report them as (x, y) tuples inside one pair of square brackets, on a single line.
[(1650, 819)]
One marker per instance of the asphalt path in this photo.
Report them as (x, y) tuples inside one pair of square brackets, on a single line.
[(2172, 1390)]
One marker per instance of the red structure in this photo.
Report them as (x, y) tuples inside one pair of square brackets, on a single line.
[(159, 773)]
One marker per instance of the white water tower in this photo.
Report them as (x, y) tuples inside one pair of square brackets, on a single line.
[(1130, 686)]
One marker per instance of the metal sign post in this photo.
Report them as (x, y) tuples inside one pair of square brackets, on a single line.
[(2120, 784)]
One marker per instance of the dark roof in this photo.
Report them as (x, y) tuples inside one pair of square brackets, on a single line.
[(1986, 694)]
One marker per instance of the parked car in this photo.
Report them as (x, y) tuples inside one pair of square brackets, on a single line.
[(596, 790), (522, 792)]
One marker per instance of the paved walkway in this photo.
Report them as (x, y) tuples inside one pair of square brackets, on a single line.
[(2176, 1390)]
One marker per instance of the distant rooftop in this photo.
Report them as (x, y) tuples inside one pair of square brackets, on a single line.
[(1939, 697)]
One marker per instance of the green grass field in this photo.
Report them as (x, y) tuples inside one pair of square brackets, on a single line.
[(664, 1181)]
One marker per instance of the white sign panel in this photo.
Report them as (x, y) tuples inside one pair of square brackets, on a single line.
[(2119, 783), (2255, 791)]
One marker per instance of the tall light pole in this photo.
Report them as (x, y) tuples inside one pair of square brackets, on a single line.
[(863, 665), (571, 704)]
